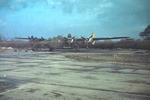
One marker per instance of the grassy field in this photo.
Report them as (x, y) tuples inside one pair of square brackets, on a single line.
[(122, 58)]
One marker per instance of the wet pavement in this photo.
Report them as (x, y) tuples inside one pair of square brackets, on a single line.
[(52, 76)]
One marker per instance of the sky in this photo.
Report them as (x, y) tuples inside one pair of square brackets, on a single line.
[(49, 18)]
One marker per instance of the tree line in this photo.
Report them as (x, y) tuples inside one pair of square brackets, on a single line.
[(143, 43)]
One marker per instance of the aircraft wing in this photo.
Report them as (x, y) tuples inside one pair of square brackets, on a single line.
[(110, 38), (79, 39), (40, 39), (21, 38)]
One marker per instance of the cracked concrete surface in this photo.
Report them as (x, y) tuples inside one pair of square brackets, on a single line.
[(52, 76)]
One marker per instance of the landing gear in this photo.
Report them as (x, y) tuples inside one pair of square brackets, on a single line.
[(87, 45), (76, 46), (51, 49)]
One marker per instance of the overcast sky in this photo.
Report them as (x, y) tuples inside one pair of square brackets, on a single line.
[(49, 18)]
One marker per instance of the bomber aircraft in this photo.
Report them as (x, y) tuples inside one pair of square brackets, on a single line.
[(74, 42), (35, 42), (66, 42)]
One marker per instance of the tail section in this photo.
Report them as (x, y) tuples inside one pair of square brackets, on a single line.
[(93, 35), (69, 35)]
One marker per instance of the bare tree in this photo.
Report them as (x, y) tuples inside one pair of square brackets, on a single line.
[(1, 38), (146, 33)]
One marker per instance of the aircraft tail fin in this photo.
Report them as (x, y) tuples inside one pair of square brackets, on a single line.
[(69, 35), (93, 35)]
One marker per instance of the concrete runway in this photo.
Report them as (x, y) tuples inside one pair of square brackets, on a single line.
[(52, 76)]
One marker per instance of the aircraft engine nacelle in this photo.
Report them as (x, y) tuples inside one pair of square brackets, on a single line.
[(88, 40), (91, 41), (70, 40)]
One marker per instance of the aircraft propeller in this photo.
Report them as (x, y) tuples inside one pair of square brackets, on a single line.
[(90, 39)]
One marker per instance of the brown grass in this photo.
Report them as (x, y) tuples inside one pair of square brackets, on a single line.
[(123, 58)]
